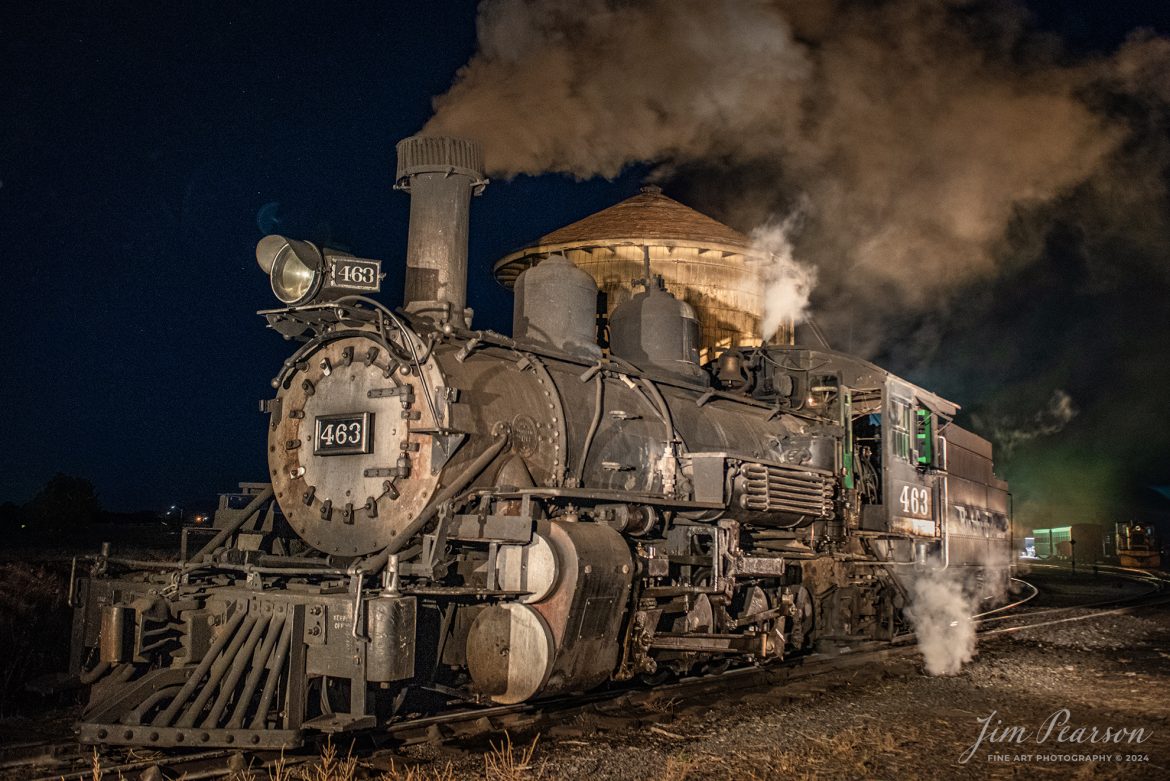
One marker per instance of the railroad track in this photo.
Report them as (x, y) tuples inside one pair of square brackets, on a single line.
[(1157, 592), (621, 708)]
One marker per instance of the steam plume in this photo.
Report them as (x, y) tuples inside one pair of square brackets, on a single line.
[(787, 283), (940, 612), (944, 602)]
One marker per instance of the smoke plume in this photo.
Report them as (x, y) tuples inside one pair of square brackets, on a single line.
[(916, 129), (587, 87), (1010, 431), (979, 203)]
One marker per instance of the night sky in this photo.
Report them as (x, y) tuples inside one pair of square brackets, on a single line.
[(144, 149)]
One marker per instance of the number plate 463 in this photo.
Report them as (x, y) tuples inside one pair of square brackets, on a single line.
[(340, 435), (914, 501), (355, 273)]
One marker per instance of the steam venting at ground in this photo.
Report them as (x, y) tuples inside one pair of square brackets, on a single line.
[(940, 612), (944, 604), (975, 199)]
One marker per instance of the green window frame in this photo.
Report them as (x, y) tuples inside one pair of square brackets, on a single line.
[(900, 429), (924, 435)]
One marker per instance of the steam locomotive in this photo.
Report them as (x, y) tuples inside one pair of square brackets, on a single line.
[(454, 515)]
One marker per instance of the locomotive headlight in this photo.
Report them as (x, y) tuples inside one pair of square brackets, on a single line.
[(302, 273), (295, 268)]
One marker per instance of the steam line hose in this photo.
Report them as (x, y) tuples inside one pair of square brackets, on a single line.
[(373, 564), (418, 364), (579, 474)]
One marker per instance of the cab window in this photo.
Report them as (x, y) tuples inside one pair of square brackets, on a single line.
[(901, 429)]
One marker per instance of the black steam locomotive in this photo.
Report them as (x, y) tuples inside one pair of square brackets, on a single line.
[(456, 515)]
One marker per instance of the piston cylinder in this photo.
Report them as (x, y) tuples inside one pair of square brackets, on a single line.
[(568, 637)]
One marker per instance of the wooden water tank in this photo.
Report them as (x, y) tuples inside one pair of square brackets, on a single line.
[(702, 261)]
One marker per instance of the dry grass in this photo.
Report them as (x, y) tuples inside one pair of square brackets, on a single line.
[(34, 625), (851, 753), (95, 769), (505, 763), (677, 767), (419, 773), (667, 705), (331, 767)]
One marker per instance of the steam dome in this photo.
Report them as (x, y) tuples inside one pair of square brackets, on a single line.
[(702, 261)]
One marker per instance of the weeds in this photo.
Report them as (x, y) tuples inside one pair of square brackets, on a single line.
[(505, 763), (280, 771), (95, 769), (34, 623), (417, 773), (331, 767), (663, 705), (677, 767)]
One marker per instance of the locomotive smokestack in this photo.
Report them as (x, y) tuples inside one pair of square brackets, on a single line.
[(441, 174)]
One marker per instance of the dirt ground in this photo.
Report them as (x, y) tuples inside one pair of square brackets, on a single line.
[(886, 720), (891, 721)]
